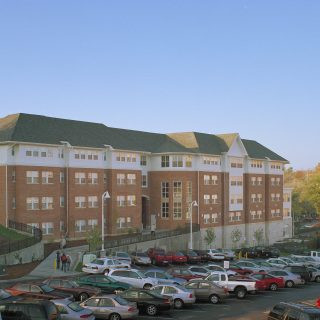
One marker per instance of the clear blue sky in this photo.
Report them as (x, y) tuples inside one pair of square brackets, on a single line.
[(251, 67)]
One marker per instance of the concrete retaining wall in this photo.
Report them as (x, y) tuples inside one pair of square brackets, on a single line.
[(32, 253)]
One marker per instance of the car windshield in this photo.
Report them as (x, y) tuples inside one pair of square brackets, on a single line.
[(192, 253), (122, 255), (75, 307), (4, 294), (46, 288), (141, 274), (121, 301), (141, 254), (98, 261)]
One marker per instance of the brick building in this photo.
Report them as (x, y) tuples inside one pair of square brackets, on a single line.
[(53, 173)]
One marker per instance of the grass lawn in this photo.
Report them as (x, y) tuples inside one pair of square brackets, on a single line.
[(8, 234)]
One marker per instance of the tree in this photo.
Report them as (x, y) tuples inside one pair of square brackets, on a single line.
[(312, 190), (94, 239), (258, 236), (236, 235), (210, 237)]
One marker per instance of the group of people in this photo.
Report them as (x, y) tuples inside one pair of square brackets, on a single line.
[(63, 261)]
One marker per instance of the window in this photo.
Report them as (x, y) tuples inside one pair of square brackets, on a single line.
[(93, 156), (131, 200), (211, 161), (61, 154), (47, 228), (47, 203), (92, 224), (121, 201), (189, 191), (177, 210), (177, 161), (80, 202), (131, 157), (43, 154), (253, 181), (253, 197), (286, 212), (80, 226), (256, 164), (80, 178), (259, 214), (165, 161), (188, 161), (206, 199), (33, 225), (120, 156), (259, 181), (214, 217), (206, 179), (286, 197), (105, 178), (236, 163), (234, 216), (47, 177), (276, 166), (210, 180), (33, 203), (177, 189), (206, 218), (144, 181), (143, 160), (121, 178), (259, 197), (13, 203), (275, 212), (35, 153), (29, 153), (93, 202), (278, 197), (32, 177), (236, 199), (93, 178), (236, 181), (13, 175), (165, 189), (278, 181), (61, 177), (61, 226), (121, 222), (273, 181), (131, 178), (273, 197), (214, 199), (164, 210), (62, 201)]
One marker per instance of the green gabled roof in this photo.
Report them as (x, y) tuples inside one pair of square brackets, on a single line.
[(258, 151)]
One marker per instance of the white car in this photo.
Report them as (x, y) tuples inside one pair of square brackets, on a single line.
[(103, 265), (229, 254), (133, 277), (180, 295), (216, 255)]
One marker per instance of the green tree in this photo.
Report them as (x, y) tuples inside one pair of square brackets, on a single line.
[(258, 236), (312, 190), (236, 235), (210, 237), (94, 239)]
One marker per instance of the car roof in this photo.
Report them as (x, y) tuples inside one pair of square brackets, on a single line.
[(301, 306)]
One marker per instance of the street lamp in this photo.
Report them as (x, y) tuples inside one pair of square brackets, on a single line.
[(192, 204), (104, 196)]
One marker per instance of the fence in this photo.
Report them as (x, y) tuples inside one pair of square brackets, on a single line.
[(14, 245)]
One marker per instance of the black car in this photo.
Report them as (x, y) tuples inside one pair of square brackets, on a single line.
[(294, 311), (29, 310), (266, 252), (192, 256), (203, 254), (302, 271), (147, 301)]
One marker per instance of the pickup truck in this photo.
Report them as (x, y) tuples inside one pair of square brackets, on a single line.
[(159, 256), (239, 287)]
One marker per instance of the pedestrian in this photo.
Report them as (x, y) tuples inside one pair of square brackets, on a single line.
[(58, 259), (69, 261), (63, 262)]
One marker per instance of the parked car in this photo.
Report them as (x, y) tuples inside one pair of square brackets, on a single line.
[(266, 252), (207, 290), (163, 277), (203, 254), (45, 291), (133, 277), (253, 266), (290, 261), (178, 257), (314, 274), (7, 296), (200, 271), (79, 293), (103, 265), (239, 287), (104, 283), (112, 307), (305, 260), (180, 272), (290, 279), (215, 267), (247, 252), (240, 270), (216, 255), (277, 263), (158, 256), (192, 257), (147, 301), (44, 309), (140, 258), (228, 253), (73, 311), (122, 257), (293, 311), (272, 282), (300, 270), (180, 295)]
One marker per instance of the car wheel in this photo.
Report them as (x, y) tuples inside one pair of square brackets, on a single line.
[(114, 316), (273, 287), (151, 310), (178, 304), (147, 286), (317, 279), (240, 293), (289, 284), (106, 271), (83, 296), (214, 299)]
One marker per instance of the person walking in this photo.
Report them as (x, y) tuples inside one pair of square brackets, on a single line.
[(58, 259), (63, 262), (69, 261)]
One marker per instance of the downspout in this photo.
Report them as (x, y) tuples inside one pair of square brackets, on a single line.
[(7, 222)]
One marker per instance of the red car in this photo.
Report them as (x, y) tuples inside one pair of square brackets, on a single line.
[(240, 270), (261, 285), (272, 283), (177, 257), (158, 256), (183, 273)]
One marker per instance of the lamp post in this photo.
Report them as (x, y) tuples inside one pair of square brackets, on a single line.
[(104, 196), (192, 204)]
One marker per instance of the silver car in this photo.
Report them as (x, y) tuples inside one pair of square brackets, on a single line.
[(140, 258), (314, 274), (290, 279), (123, 257), (72, 310), (180, 295), (111, 307)]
